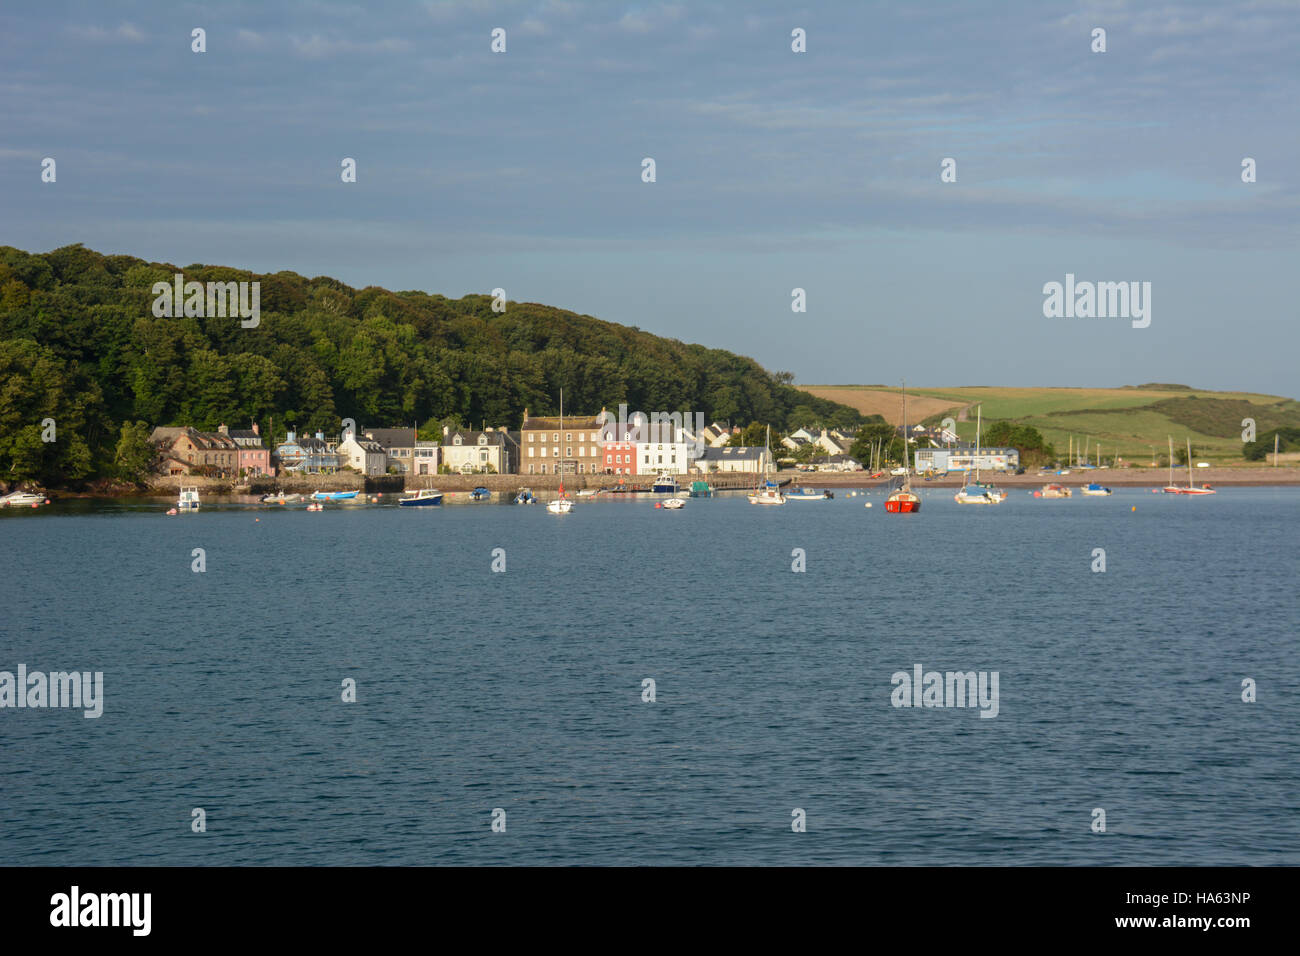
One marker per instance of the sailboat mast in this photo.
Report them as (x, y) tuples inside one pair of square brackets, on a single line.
[(979, 421), (1189, 462), (1171, 460)]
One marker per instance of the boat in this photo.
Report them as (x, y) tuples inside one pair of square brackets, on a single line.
[(424, 497), (334, 495), (769, 494), (588, 492), (280, 498), (904, 501), (1172, 489), (701, 489), (1052, 491), (189, 498), (22, 499), (808, 494), (1095, 490), (525, 497), (770, 491), (480, 494), (665, 484), (672, 504), (563, 504), (978, 492)]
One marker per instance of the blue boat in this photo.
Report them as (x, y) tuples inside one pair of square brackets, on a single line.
[(335, 495), (480, 494), (525, 497), (665, 484), (422, 498), (1095, 489)]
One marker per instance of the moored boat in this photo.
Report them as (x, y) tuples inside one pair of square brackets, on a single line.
[(189, 498), (673, 504), (334, 495), (665, 484), (808, 494), (1052, 491), (480, 494), (904, 501), (22, 499), (525, 496), (1095, 490), (422, 498), (280, 498), (701, 489)]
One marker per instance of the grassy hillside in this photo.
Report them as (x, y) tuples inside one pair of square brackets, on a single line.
[(1129, 420)]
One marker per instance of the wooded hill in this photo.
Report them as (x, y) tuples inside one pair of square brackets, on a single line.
[(80, 344)]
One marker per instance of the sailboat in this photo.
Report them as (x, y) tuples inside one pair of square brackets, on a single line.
[(1171, 488), (903, 501), (978, 494), (769, 493), (563, 504)]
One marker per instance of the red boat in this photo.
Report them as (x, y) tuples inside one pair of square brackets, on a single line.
[(902, 502)]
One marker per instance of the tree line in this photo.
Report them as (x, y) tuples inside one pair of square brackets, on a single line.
[(80, 344)]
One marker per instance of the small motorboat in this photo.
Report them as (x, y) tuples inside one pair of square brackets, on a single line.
[(525, 497), (1052, 491), (1096, 490), (665, 484), (588, 492), (280, 498), (701, 489), (808, 494), (23, 499), (480, 494), (316, 506), (422, 498), (334, 495), (189, 498), (673, 504)]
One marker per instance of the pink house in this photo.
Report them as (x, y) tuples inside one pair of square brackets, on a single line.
[(254, 457)]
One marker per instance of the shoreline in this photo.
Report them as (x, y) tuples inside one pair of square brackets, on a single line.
[(733, 481)]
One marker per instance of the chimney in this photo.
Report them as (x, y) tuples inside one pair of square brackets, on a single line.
[(223, 429), (446, 430), (525, 413), (320, 436), (290, 436), (256, 430)]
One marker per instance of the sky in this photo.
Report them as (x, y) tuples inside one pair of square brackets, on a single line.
[(774, 169)]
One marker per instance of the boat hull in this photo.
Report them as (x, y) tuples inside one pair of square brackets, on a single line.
[(424, 502), (896, 505)]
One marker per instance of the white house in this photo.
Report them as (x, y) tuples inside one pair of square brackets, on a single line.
[(731, 458), (367, 457)]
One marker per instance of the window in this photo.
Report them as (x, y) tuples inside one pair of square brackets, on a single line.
[(530, 436), (543, 469), (568, 436), (456, 440), (530, 452), (555, 436), (555, 453), (568, 452), (530, 469), (482, 439)]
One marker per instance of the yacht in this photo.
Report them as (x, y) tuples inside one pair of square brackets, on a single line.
[(665, 484), (21, 499), (189, 498)]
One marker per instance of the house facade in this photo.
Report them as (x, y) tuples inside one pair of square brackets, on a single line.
[(549, 445), (490, 451), (733, 459), (306, 454), (363, 455), (254, 456), (188, 451), (398, 445)]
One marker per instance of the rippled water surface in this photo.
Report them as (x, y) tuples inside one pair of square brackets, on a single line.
[(522, 690)]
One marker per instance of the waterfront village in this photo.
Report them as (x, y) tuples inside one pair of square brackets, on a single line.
[(548, 445)]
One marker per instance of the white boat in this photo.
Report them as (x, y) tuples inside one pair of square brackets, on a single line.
[(770, 492), (21, 499), (1095, 490), (672, 504), (189, 498), (280, 498), (588, 492), (1171, 488), (560, 506), (979, 493)]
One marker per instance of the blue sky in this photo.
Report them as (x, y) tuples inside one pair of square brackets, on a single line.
[(774, 170)]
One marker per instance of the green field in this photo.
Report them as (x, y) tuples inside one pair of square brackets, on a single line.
[(1128, 421)]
